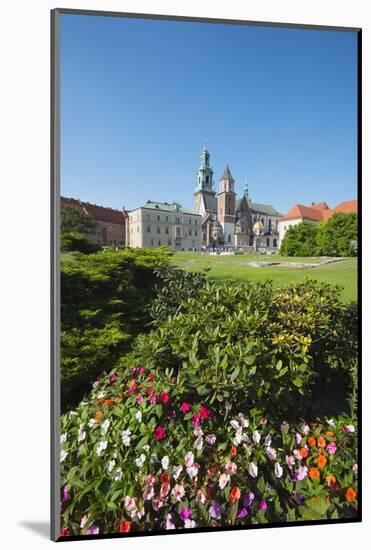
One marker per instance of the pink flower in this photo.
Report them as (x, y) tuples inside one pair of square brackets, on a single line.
[(66, 495), (200, 497), (169, 522), (196, 420), (349, 428), (189, 459), (178, 492), (150, 479), (185, 407), (141, 370), (157, 503), (271, 453), (159, 433), (223, 480), (192, 471), (198, 431), (112, 377), (165, 397), (210, 439), (148, 492), (130, 504), (263, 421), (164, 490), (231, 467), (153, 399), (290, 461), (263, 505), (298, 438), (177, 471), (204, 412), (139, 399), (331, 448)]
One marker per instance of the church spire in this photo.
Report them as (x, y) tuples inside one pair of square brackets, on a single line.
[(246, 189), (205, 172)]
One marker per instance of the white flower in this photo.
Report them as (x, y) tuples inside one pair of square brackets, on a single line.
[(268, 440), (253, 469), (84, 521), (101, 447), (117, 475), (223, 480), (256, 437), (101, 394), (243, 421), (140, 460), (83, 403), (177, 471), (278, 470), (189, 524), (138, 416), (238, 437), (63, 454), (105, 426), (73, 413), (331, 422), (91, 422), (81, 436), (192, 471), (271, 453), (198, 444), (305, 429), (146, 448), (125, 437), (63, 438), (234, 424), (350, 428), (210, 439), (165, 462), (110, 465), (198, 431)]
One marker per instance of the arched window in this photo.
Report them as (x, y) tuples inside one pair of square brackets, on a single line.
[(267, 242), (275, 243)]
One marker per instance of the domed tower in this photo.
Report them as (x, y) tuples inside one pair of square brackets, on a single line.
[(205, 199), (227, 205), (258, 230)]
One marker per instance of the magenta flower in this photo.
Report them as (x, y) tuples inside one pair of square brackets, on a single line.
[(159, 433), (93, 530), (242, 513), (263, 505), (153, 399), (185, 513), (165, 397), (139, 399), (184, 408), (331, 448), (112, 377), (66, 495), (196, 420)]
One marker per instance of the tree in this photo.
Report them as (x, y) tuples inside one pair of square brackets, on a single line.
[(301, 240), (76, 220), (338, 235)]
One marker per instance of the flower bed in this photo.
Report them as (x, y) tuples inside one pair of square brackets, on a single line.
[(136, 458)]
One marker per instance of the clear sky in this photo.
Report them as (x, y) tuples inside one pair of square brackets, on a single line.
[(139, 97)]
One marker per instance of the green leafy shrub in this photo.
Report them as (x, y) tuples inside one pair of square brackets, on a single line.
[(301, 240), (104, 305), (338, 235), (73, 241), (74, 219)]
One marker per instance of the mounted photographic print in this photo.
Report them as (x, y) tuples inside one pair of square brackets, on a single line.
[(205, 238)]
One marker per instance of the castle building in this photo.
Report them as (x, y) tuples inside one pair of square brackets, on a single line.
[(163, 224), (228, 221)]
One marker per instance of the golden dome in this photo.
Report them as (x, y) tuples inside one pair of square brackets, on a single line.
[(258, 226)]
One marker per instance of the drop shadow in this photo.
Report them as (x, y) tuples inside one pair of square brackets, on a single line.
[(42, 528)]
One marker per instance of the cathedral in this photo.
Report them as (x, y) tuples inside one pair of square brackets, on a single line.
[(229, 222)]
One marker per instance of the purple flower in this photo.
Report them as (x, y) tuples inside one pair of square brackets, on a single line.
[(299, 498), (248, 499), (331, 448), (66, 495), (185, 513), (215, 510), (290, 461), (93, 530), (263, 505), (242, 513), (301, 473), (298, 438)]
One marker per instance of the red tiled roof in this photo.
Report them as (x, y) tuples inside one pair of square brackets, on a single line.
[(100, 213), (319, 211)]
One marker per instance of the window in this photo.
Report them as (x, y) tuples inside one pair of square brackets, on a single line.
[(207, 179), (152, 242), (158, 218), (229, 238), (195, 222), (148, 229), (178, 231), (167, 218), (267, 242), (177, 220), (158, 229), (196, 233), (159, 243), (229, 210), (169, 242), (138, 229), (284, 228), (190, 232), (190, 221), (275, 243), (148, 216), (166, 230)]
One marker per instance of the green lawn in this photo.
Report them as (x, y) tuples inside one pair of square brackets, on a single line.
[(343, 273)]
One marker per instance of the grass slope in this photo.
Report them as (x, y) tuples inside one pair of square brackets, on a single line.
[(222, 268)]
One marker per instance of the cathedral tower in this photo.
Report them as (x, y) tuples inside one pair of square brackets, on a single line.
[(227, 206), (205, 199)]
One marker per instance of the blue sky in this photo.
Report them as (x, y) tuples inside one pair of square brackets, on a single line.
[(139, 97)]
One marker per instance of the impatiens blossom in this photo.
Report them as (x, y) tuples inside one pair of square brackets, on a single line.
[(301, 473), (248, 498), (91, 422), (331, 422), (185, 513), (256, 437), (231, 467), (278, 470), (198, 431), (101, 394), (298, 438), (130, 504), (243, 421), (125, 526), (63, 455), (331, 448), (305, 429), (157, 503), (242, 513), (189, 524), (169, 522), (268, 440), (196, 420), (198, 444), (290, 461), (178, 492), (105, 426), (63, 438), (110, 465), (138, 416), (263, 505), (164, 490), (215, 510), (271, 453), (165, 462), (210, 439), (253, 469), (139, 399), (159, 433), (355, 468), (200, 497), (117, 474), (164, 397), (66, 495), (224, 480), (150, 479), (125, 438), (102, 446), (84, 521), (81, 436), (153, 399), (140, 460), (93, 530), (234, 495), (177, 471), (148, 492), (235, 424), (184, 408), (192, 471), (204, 412), (189, 459)]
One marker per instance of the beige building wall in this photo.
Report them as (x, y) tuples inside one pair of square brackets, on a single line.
[(283, 226), (152, 228)]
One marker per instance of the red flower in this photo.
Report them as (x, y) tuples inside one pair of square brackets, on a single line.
[(159, 433), (151, 377), (204, 412), (185, 407), (234, 495), (149, 391), (165, 397), (64, 532), (125, 526), (165, 478)]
